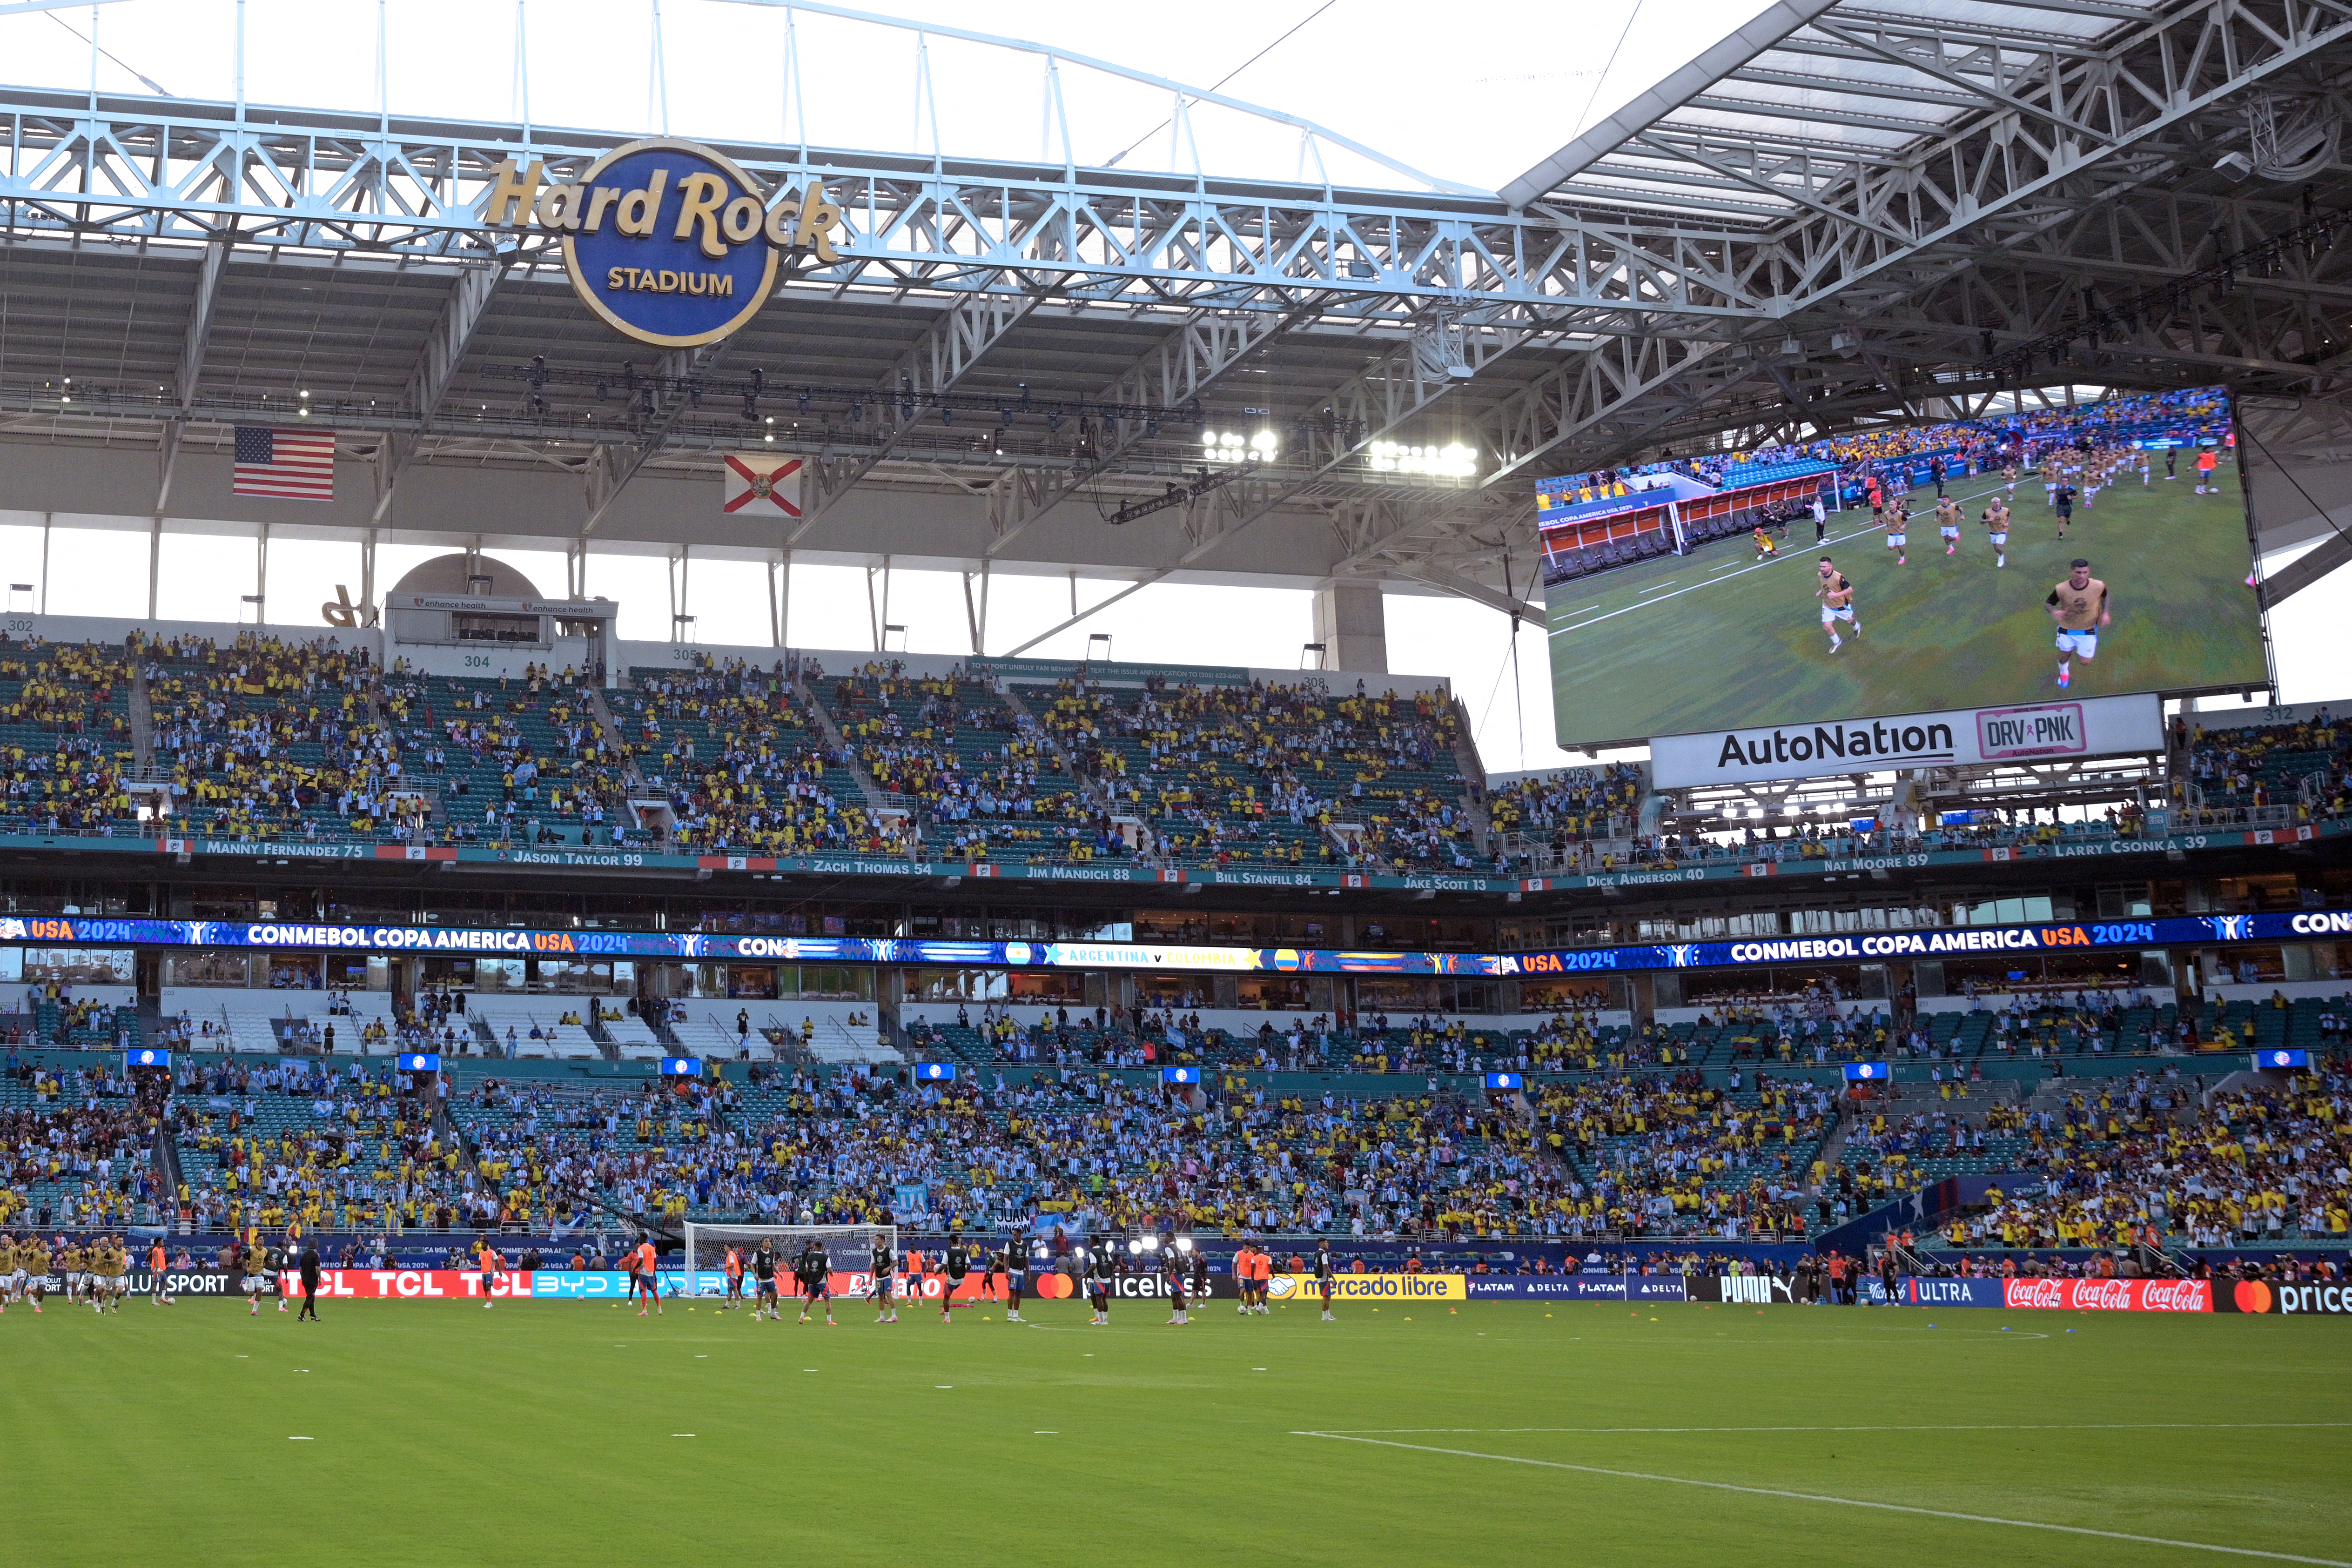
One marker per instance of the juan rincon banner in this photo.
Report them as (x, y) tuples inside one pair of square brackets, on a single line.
[(2046, 731)]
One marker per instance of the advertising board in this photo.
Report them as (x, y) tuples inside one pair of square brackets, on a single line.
[(1714, 609)]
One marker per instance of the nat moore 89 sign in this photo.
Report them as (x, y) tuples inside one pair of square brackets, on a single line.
[(671, 243)]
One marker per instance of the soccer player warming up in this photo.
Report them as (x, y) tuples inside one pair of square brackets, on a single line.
[(815, 1271), (1173, 1265), (1098, 1288), (1014, 1263), (1324, 1277), (1948, 523), (12, 1281), (764, 1281), (954, 1267), (1898, 531), (884, 1293), (158, 1265), (1996, 522), (488, 1257), (33, 1269), (2079, 606), (641, 1277), (734, 1267), (1836, 595)]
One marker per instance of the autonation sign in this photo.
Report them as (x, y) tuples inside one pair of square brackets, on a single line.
[(2093, 727), (671, 243)]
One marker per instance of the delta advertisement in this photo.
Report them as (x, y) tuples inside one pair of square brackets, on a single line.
[(1994, 581), (1583, 1288), (700, 947)]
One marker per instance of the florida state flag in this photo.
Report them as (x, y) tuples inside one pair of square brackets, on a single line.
[(764, 483)]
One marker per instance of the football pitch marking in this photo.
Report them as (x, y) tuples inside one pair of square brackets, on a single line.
[(1839, 1501), (2050, 1426)]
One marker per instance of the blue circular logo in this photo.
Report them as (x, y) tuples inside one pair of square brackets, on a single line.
[(671, 246)]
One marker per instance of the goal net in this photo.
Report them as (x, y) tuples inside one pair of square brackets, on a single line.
[(849, 1248)]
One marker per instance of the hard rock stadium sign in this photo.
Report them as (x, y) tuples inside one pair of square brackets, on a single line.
[(669, 242)]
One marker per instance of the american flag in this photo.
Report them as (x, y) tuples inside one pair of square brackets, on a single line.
[(293, 464)]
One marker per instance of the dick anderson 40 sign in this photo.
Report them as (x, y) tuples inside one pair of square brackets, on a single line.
[(669, 242), (2025, 732)]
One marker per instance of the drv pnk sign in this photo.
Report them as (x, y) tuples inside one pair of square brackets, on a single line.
[(672, 244)]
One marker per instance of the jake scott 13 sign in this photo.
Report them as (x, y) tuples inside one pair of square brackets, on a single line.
[(2025, 732), (671, 243)]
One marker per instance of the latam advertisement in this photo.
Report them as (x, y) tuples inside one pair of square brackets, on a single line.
[(1583, 1288)]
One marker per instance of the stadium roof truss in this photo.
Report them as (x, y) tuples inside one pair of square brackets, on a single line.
[(1842, 212)]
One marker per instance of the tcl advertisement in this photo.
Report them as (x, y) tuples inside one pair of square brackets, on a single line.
[(410, 1284)]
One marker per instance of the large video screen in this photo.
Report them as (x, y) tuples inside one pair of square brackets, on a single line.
[(1905, 571)]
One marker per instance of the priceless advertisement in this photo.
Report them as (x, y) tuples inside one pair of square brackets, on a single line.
[(2093, 727), (2283, 1298), (1941, 576)]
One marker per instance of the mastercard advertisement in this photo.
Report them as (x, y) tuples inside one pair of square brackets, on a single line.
[(2328, 1299)]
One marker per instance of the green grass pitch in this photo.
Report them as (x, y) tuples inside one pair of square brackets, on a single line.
[(561, 1433), (1712, 640)]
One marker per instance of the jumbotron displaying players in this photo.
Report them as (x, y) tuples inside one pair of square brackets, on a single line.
[(1958, 633)]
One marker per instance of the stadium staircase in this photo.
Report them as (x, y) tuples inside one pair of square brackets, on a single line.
[(1097, 794), (143, 718), (842, 755), (1474, 781)]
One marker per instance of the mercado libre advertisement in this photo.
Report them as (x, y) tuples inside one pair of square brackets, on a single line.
[(1774, 600)]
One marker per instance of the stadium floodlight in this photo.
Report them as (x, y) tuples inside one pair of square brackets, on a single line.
[(1451, 461), (1149, 1243), (1231, 447), (1183, 1244), (1135, 1244)]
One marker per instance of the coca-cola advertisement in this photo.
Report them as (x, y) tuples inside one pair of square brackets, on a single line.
[(2110, 1295)]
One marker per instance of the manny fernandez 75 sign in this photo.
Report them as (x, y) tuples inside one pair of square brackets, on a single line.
[(671, 243)]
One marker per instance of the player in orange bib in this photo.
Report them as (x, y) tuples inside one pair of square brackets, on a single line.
[(641, 1276), (734, 1267)]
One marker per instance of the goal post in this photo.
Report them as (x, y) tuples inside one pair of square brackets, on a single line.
[(850, 1249)]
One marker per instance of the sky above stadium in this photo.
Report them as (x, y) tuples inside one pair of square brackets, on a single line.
[(1474, 104)]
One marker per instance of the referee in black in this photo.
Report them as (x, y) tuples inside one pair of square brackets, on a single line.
[(310, 1283)]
